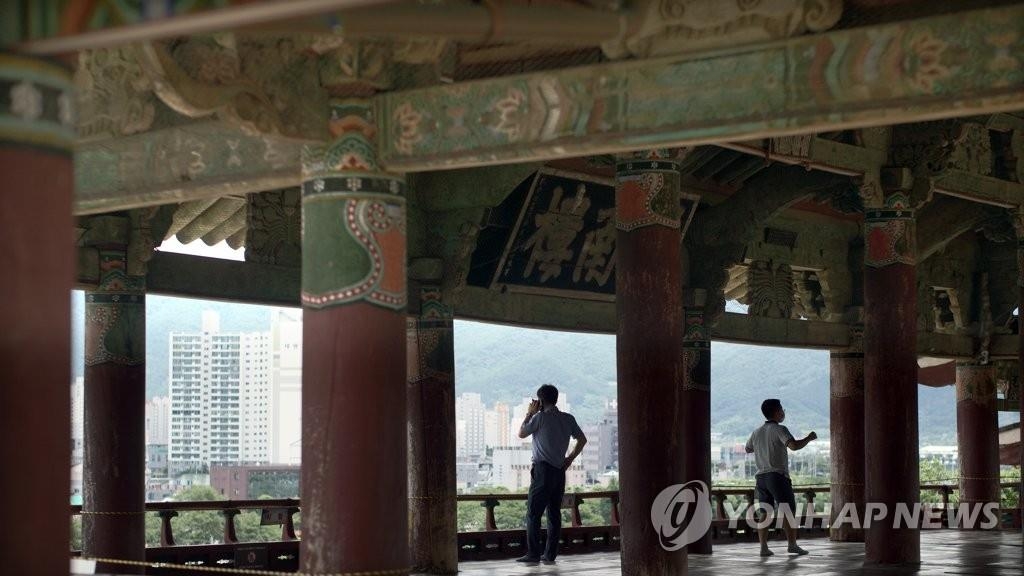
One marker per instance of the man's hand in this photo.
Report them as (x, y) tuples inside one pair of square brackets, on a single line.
[(568, 462), (812, 436), (530, 413)]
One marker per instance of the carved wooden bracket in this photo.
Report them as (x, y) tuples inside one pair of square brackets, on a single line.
[(264, 85), (676, 26)]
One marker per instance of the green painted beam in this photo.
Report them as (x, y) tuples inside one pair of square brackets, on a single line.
[(950, 65), (206, 159)]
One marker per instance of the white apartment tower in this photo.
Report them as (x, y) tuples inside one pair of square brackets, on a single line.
[(158, 420), (286, 401), (77, 420), (220, 397), (470, 409)]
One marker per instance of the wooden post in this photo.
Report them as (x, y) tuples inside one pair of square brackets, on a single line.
[(977, 426), (166, 530), (720, 498), (577, 520), (433, 536), (354, 438), (649, 307), (696, 406), (230, 536), (944, 493), (35, 345), (808, 509), (846, 407), (114, 465), (489, 523), (288, 528), (615, 510), (892, 475)]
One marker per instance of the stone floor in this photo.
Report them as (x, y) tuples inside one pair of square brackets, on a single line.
[(943, 552)]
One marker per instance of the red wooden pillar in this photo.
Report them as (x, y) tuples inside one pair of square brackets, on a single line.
[(696, 408), (433, 530), (354, 445), (890, 378), (846, 423), (1019, 223), (650, 320), (113, 470), (36, 140), (977, 428)]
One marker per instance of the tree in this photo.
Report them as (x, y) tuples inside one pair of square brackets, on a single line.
[(198, 527), (76, 532), (1010, 496), (470, 516), (248, 528), (933, 471)]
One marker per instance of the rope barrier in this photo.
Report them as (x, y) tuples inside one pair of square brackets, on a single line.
[(249, 572)]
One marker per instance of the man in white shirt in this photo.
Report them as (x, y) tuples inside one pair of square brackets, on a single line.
[(774, 488)]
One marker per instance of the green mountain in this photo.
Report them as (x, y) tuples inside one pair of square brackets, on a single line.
[(503, 364), (507, 364)]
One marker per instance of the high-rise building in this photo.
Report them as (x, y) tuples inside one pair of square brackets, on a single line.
[(496, 426), (286, 420), (518, 415), (511, 469), (469, 408), (77, 420), (158, 420), (504, 417), (491, 428), (220, 397), (602, 452)]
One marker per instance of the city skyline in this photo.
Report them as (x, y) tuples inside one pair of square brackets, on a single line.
[(488, 449)]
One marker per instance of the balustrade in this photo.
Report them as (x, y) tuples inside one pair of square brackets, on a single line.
[(491, 542)]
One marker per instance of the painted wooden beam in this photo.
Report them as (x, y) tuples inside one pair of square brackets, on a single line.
[(218, 279), (822, 154), (984, 189), (784, 332), (943, 220), (206, 159), (949, 65)]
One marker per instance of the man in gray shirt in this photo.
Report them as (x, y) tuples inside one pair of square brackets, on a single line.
[(773, 486), (551, 429)]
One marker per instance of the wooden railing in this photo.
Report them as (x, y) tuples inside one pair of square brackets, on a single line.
[(489, 543), (281, 555)]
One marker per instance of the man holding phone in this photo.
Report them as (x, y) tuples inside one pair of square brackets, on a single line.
[(551, 430)]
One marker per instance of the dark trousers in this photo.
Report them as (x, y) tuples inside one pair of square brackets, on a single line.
[(547, 486)]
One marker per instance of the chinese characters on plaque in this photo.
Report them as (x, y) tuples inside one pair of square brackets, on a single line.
[(563, 241)]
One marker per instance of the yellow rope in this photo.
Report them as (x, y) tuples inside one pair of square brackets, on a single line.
[(211, 569)]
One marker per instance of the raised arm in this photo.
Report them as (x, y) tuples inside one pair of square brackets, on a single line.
[(794, 444), (529, 425)]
